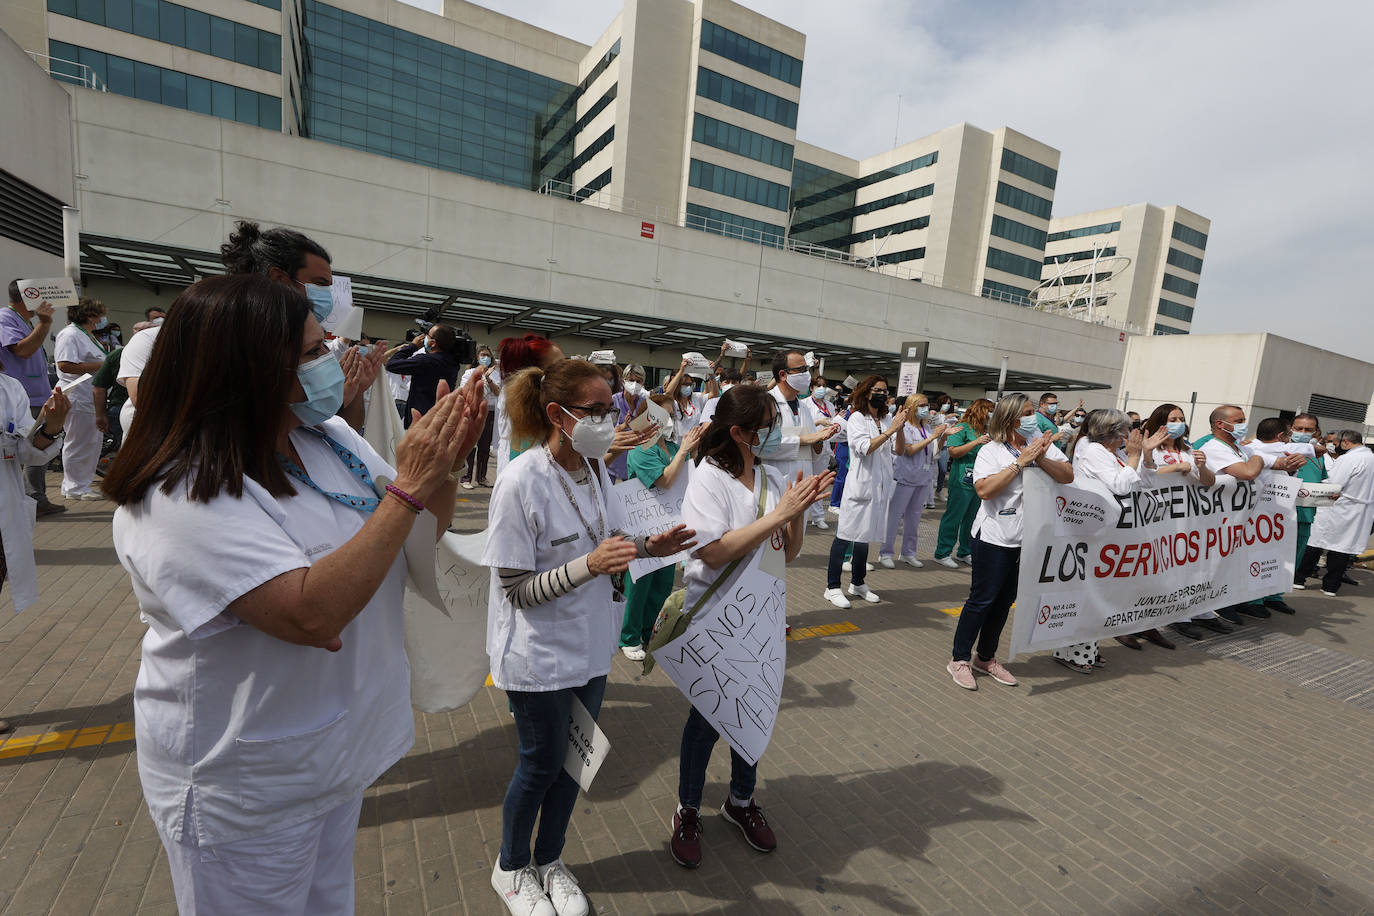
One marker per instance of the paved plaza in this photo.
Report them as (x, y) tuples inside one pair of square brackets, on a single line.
[(1230, 776)]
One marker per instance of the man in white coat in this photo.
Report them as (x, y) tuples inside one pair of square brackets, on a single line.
[(1342, 528), (801, 438)]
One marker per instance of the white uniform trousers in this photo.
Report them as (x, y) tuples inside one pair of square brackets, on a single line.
[(81, 450)]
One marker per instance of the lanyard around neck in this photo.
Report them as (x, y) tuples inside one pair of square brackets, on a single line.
[(355, 466), (92, 339), (562, 476)]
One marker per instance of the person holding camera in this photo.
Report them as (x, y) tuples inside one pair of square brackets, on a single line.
[(434, 358)]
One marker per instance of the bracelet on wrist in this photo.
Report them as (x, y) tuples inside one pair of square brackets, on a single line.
[(410, 502)]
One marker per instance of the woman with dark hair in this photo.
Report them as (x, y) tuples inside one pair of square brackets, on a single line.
[(1016, 444), (630, 401), (513, 355), (433, 360), (956, 525), (557, 557), (867, 490), (78, 353), (263, 539), (480, 459), (740, 509)]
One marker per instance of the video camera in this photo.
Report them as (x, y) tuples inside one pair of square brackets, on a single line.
[(465, 348)]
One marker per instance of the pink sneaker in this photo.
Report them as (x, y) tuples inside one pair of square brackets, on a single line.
[(962, 674), (994, 669)]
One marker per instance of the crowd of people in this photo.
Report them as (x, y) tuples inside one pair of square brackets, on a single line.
[(263, 538)]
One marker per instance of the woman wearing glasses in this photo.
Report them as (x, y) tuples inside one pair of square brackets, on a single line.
[(557, 558)]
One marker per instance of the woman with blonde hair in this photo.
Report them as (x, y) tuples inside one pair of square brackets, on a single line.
[(558, 559), (961, 504), (913, 471), (1016, 444)]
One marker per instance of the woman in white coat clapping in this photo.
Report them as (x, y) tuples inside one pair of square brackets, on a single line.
[(24, 442), (868, 489)]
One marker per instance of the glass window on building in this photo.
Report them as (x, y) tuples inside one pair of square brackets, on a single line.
[(1024, 201), (1013, 264)]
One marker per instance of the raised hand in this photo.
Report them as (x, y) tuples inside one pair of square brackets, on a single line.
[(693, 437), (627, 438), (611, 556), (900, 417), (674, 540), (1158, 438), (44, 311), (56, 408), (939, 431), (1199, 458), (1135, 441)]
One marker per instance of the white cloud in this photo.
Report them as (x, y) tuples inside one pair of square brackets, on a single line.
[(1253, 113)]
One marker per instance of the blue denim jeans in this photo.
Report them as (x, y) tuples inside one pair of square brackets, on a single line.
[(541, 788), (698, 740), (990, 597), (841, 472)]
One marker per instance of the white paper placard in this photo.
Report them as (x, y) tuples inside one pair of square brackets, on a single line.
[(341, 321), (647, 511), (79, 380), (587, 746), (735, 348), (906, 378), (53, 290)]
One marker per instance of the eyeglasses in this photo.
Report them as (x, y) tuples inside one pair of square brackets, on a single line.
[(597, 412)]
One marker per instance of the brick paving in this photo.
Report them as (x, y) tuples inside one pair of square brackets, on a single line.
[(1168, 782)]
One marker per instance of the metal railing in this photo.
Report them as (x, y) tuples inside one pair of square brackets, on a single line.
[(73, 71), (681, 218)]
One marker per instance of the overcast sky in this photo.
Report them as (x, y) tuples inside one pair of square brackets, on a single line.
[(1254, 113)]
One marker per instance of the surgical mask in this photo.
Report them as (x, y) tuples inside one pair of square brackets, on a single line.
[(1239, 430), (1077, 421), (102, 323), (800, 382), (322, 380), (1051, 409), (591, 438), (1301, 438), (685, 390), (891, 410), (922, 412), (821, 393), (321, 301), (726, 387), (363, 349), (768, 445), (1028, 429), (1176, 429), (427, 346), (485, 361), (157, 322), (634, 389)]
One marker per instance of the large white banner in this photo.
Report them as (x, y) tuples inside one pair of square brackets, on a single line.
[(646, 511), (731, 660), (1095, 565)]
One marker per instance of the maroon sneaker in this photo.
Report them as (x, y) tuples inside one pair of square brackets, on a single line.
[(686, 844), (751, 822)]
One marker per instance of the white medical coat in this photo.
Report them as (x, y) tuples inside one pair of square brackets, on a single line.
[(17, 508), (868, 488), (1344, 525)]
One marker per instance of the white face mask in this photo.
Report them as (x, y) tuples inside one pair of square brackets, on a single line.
[(634, 389), (799, 382), (590, 438), (726, 387)]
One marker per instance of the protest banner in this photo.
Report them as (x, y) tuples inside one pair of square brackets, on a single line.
[(1095, 565), (730, 661), (56, 291), (645, 511), (587, 746), (445, 618)]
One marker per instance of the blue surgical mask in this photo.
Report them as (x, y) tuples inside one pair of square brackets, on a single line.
[(321, 301), (1239, 430), (484, 361), (322, 380), (685, 390), (767, 445), (892, 410), (1051, 409), (922, 412), (1176, 429), (1301, 438), (102, 323), (1028, 429), (363, 349)]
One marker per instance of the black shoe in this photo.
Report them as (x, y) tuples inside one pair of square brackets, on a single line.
[(1346, 580), (1186, 628), (1215, 625), (1278, 604), (1253, 610), (50, 508), (1229, 615)]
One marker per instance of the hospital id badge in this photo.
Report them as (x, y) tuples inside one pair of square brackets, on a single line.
[(968, 476)]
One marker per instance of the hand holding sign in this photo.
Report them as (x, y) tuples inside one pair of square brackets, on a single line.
[(44, 312), (674, 540), (55, 410)]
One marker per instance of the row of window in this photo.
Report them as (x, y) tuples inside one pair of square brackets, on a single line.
[(596, 184), (756, 56), (1099, 229), (168, 87), (872, 206), (581, 123), (1024, 201), (1075, 279), (1028, 168), (742, 142), (744, 97), (906, 225), (1080, 255), (852, 185), (180, 26), (897, 257), (581, 89), (1190, 236), (1010, 263), (586, 155), (721, 222), (994, 290), (1179, 285), (1187, 261), (720, 180), (1020, 233), (810, 181), (1162, 330), (1176, 310)]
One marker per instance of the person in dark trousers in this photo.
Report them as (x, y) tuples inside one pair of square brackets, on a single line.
[(434, 360)]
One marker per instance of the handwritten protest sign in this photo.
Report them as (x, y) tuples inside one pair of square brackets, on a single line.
[(446, 639), (646, 511), (731, 660), (343, 319), (587, 746), (1095, 565)]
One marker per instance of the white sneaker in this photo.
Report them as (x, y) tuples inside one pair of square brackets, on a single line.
[(965, 558), (847, 566), (832, 510), (1299, 586), (886, 563), (864, 592), (947, 562), (633, 653), (567, 898), (522, 892), (837, 598), (868, 567), (822, 524), (912, 562), (1328, 594)]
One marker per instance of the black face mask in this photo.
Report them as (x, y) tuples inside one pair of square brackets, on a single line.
[(878, 400)]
